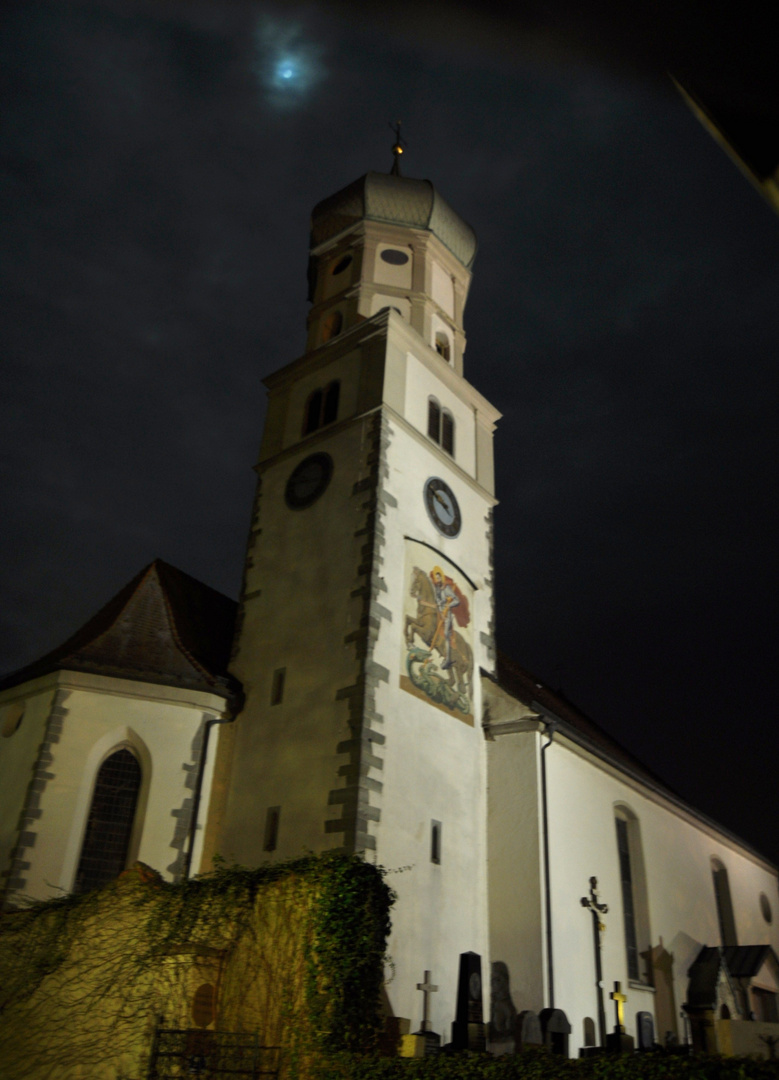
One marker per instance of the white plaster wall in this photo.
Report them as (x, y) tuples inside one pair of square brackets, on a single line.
[(682, 908), (515, 853), (442, 288), (434, 764), (385, 273), (383, 300), (421, 384), (286, 755), (98, 722)]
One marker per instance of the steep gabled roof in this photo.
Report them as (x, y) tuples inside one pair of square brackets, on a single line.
[(738, 962), (531, 692), (162, 627)]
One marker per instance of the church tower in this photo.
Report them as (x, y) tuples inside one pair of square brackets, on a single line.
[(367, 603)]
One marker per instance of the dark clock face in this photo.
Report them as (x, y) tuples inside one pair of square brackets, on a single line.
[(308, 480), (442, 506)]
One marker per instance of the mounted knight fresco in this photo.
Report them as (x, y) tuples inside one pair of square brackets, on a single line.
[(438, 656)]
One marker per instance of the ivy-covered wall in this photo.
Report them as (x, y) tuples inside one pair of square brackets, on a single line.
[(293, 951)]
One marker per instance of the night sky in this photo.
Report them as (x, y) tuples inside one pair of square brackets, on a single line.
[(159, 165)]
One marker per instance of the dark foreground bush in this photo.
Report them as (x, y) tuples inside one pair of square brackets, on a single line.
[(540, 1065)]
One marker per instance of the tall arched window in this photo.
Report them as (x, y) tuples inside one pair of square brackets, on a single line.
[(110, 821), (635, 906), (440, 425), (727, 922)]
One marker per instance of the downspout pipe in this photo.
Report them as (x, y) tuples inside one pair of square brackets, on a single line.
[(227, 718), (549, 731)]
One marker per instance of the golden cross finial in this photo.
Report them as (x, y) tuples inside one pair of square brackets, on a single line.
[(619, 1000), (397, 149)]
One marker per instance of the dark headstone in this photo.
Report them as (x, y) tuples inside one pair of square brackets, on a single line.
[(468, 1028), (555, 1029), (528, 1030), (619, 1043), (645, 1026), (503, 1014)]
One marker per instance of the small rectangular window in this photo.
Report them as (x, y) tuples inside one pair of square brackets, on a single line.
[(435, 842), (272, 828), (277, 688)]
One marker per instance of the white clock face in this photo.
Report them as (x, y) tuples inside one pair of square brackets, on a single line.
[(442, 506)]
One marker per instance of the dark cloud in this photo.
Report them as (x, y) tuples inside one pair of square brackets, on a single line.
[(622, 315)]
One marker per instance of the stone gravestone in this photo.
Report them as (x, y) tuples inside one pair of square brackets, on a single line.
[(556, 1029), (468, 1029), (645, 1026), (425, 1041), (528, 1030), (618, 1042), (503, 1014)]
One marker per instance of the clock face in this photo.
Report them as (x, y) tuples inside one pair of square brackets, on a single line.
[(442, 506), (308, 480)]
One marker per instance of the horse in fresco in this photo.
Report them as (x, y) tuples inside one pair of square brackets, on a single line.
[(424, 625)]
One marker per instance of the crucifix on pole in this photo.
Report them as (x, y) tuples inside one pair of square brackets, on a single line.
[(597, 909)]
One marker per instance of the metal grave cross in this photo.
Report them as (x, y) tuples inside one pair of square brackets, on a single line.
[(619, 1000), (591, 903), (427, 989)]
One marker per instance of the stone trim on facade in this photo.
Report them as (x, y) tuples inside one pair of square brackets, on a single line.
[(183, 815), (254, 532), (30, 817), (354, 798)]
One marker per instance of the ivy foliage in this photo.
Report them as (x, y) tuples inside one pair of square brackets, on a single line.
[(297, 950), (541, 1065)]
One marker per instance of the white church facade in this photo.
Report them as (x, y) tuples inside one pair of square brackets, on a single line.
[(355, 699)]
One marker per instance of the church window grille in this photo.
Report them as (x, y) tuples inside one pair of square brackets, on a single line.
[(321, 407), (628, 906), (727, 922), (110, 821), (272, 828), (442, 346), (435, 842), (635, 898), (440, 425), (277, 686)]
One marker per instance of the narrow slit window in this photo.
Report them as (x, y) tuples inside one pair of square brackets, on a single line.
[(727, 922), (628, 905), (435, 842), (277, 686), (272, 828), (447, 432), (434, 420)]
